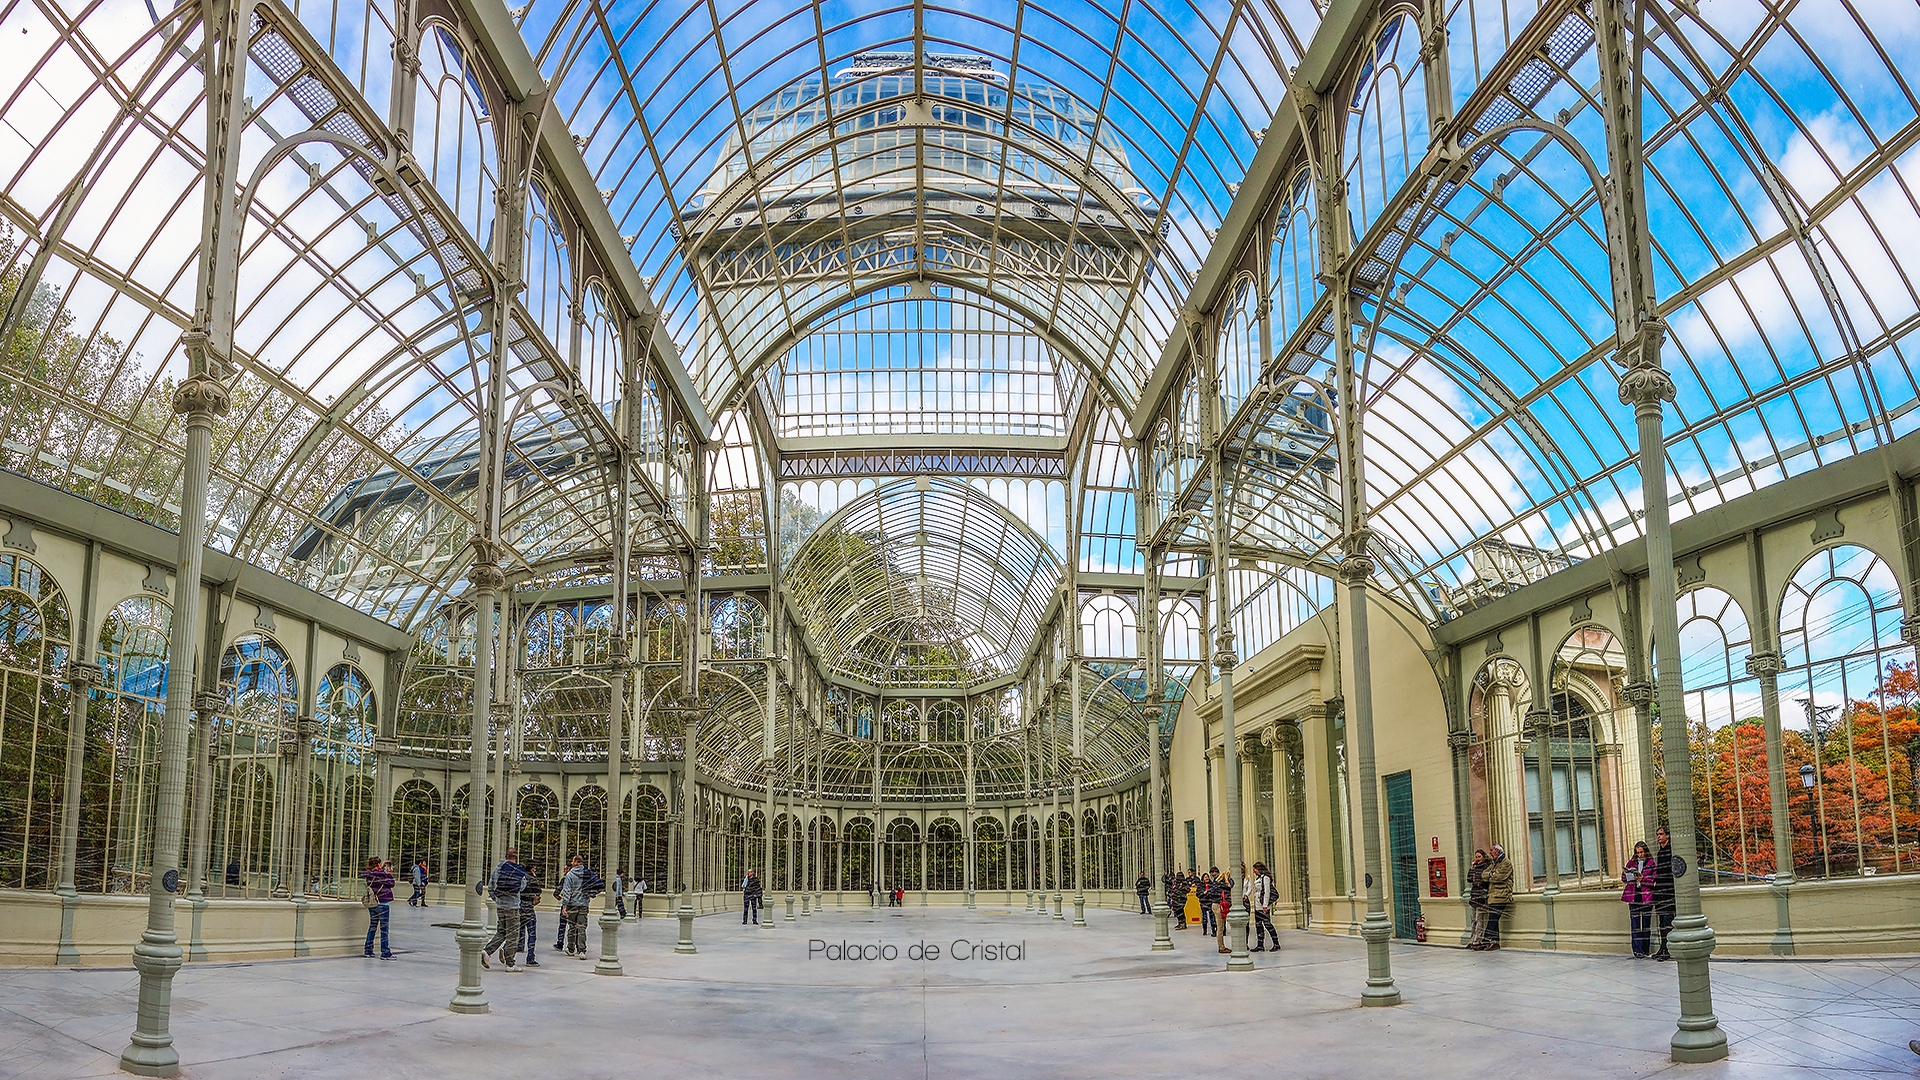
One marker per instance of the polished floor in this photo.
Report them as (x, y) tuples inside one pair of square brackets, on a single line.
[(1075, 1003)]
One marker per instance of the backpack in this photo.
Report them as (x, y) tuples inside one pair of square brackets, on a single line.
[(593, 884)]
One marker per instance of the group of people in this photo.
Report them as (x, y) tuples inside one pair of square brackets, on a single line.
[(516, 891), (1648, 893), (1208, 900), (1648, 880)]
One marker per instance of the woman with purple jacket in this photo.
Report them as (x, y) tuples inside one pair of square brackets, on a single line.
[(1640, 875), (379, 879)]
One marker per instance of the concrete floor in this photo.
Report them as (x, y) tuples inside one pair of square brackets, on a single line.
[(1092, 1003)]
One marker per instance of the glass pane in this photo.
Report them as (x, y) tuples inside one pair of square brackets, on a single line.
[(1583, 780), (1533, 789)]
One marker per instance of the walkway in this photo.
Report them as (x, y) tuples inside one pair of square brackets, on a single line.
[(1088, 1003)]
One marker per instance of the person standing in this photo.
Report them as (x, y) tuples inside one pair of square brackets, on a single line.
[(750, 894), (509, 881), (1499, 895), (530, 894), (1142, 887), (1668, 868), (1641, 876), (1208, 901), (1223, 907), (379, 879), (573, 910), (1261, 895), (620, 894), (1477, 897), (639, 899)]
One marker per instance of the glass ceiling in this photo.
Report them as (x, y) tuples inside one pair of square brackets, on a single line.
[(1026, 193), (923, 582), (779, 160)]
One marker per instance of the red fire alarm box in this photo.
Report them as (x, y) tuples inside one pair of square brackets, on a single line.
[(1437, 877)]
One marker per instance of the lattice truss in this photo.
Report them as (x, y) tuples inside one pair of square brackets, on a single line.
[(1779, 172)]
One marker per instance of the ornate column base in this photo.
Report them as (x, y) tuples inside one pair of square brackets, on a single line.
[(1060, 907), (685, 945), (1162, 940), (467, 994), (1698, 1036), (1029, 900), (790, 917), (196, 945), (806, 905), (1783, 921), (766, 917), (65, 955), (1080, 910), (609, 962), (1239, 959), (151, 1052), (1380, 990)]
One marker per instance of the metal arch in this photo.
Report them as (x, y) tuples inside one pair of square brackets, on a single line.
[(807, 323)]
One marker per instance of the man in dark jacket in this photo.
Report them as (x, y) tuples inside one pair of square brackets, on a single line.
[(1142, 888), (509, 881), (1663, 902), (530, 894), (750, 893), (1177, 900)]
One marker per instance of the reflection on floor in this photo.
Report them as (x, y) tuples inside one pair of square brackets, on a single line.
[(1091, 1003)]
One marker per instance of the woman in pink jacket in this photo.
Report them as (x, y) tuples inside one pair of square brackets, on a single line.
[(1640, 874)]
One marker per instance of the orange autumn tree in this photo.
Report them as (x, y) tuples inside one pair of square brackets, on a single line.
[(1866, 783), (1866, 809)]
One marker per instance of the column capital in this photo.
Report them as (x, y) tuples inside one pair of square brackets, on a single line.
[(485, 573), (1910, 629), (1459, 740), (208, 703), (1271, 738), (1356, 569), (1644, 383), (1538, 722), (1766, 664), (1224, 657), (82, 674), (1217, 751), (1637, 694), (384, 745), (305, 725)]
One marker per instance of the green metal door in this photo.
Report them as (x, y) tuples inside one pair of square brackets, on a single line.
[(1403, 856)]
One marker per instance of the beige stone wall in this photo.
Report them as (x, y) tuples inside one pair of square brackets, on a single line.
[(1410, 734), (106, 928), (1851, 917)]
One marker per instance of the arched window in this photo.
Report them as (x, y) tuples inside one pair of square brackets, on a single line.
[(902, 868), (739, 628), (856, 854), (262, 700), (989, 854), (1728, 740), (1108, 629), (121, 785), (587, 828), (646, 818), (34, 631), (946, 856), (340, 816), (1847, 701), (413, 825), (1023, 854)]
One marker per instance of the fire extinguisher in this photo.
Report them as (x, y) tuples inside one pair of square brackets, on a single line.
[(1420, 928)]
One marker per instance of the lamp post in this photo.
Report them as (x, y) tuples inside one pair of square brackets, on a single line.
[(1809, 777)]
